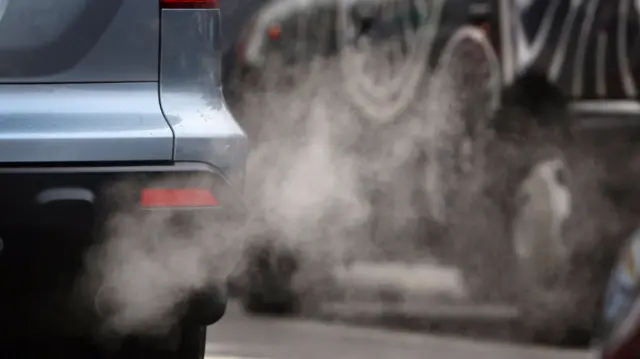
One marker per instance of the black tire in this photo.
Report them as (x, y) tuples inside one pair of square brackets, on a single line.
[(268, 280), (282, 281), (259, 304)]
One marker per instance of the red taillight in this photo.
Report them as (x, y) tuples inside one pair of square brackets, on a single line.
[(274, 31), (189, 4), (183, 197)]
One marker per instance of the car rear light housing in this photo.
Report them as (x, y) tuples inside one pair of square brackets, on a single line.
[(177, 198)]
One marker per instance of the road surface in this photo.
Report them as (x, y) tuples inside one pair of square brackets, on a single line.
[(238, 336)]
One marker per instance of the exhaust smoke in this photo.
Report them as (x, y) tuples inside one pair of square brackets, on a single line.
[(321, 179), (324, 179)]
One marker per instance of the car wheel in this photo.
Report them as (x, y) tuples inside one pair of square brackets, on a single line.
[(269, 276), (280, 280)]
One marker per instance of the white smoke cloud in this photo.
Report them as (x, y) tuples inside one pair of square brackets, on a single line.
[(324, 178)]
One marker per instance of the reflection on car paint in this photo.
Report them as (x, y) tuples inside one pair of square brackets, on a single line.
[(629, 262), (618, 300), (624, 280)]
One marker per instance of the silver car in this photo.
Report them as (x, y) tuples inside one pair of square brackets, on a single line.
[(96, 95)]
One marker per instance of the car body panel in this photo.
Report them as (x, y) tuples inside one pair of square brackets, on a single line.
[(278, 12), (620, 332), (44, 41), (182, 117), (289, 13), (580, 46), (191, 92), (35, 188), (624, 280), (83, 123)]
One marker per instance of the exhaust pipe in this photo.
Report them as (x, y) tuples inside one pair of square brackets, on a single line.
[(206, 307), (203, 308)]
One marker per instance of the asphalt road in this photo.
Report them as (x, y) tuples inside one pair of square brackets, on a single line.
[(239, 336)]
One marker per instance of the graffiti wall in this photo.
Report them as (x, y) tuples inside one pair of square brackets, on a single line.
[(589, 47)]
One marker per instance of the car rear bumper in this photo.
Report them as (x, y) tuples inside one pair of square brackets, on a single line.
[(80, 197), (51, 218)]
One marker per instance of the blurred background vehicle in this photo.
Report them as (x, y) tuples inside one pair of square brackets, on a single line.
[(238, 16), (545, 149), (619, 334), (568, 116), (297, 32), (296, 35)]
